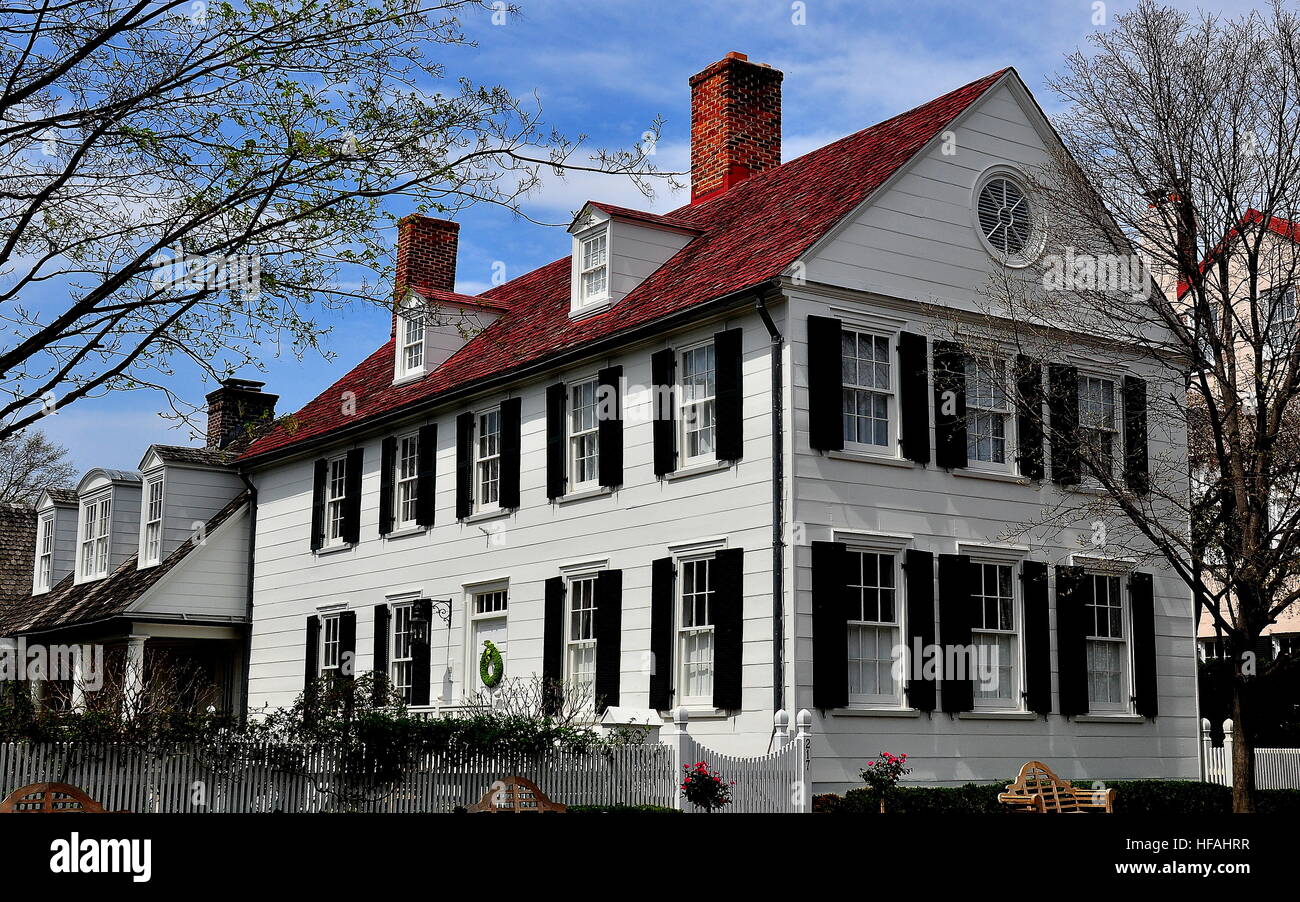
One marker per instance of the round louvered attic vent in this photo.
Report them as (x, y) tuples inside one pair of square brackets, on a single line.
[(1005, 218)]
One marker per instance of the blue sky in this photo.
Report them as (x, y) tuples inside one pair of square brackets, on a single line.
[(607, 69)]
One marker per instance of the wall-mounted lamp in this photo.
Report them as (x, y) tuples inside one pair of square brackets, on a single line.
[(422, 616)]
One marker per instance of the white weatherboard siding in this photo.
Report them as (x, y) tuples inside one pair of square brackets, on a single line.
[(191, 497), (629, 528), (211, 582)]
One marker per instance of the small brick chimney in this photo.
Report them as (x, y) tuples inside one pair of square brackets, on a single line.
[(238, 404), (735, 123), (426, 256)]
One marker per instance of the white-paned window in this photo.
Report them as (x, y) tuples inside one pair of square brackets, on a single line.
[(329, 645), (1281, 307), (488, 610), (1098, 423), (1213, 649), (45, 551), (400, 642), (336, 488), (406, 478), (487, 459), (584, 444), (994, 636), (873, 629), (410, 338), (580, 637), (695, 632), (1107, 645), (698, 402), (96, 519), (988, 411), (593, 278), (153, 506), (868, 389)]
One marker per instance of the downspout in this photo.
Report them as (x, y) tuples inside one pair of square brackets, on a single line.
[(245, 665), (778, 506)]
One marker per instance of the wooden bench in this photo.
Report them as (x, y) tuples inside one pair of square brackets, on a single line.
[(1037, 790), (49, 797), (514, 795)]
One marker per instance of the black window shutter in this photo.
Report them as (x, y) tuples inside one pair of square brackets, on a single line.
[(830, 562), (1063, 406), (728, 622), (663, 365), (662, 575), (348, 644), (1029, 416), (955, 577), (352, 500), (511, 414), (609, 401), (1135, 434), (918, 569), (609, 631), (1073, 590), (913, 396), (729, 421), (949, 405), (387, 476), (825, 384), (319, 474), (1038, 638), (1142, 599), (557, 397), (426, 473), (380, 663), (420, 667), (553, 645), (464, 465), (311, 655)]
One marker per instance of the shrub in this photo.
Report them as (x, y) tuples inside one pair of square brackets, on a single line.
[(705, 788), (621, 809)]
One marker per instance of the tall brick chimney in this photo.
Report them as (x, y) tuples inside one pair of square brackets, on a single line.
[(238, 404), (426, 256), (735, 123)]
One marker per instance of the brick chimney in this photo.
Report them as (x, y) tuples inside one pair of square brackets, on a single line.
[(238, 404), (426, 256), (735, 123)]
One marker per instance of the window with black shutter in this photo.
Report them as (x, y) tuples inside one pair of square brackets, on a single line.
[(1063, 409), (609, 411), (1073, 594), (511, 428), (918, 568), (663, 369), (728, 619), (956, 576), (387, 483), (913, 397), (464, 465), (730, 440), (320, 474), (556, 396), (348, 644), (311, 654), (1146, 694), (1029, 416), (426, 464), (662, 592), (351, 529), (421, 664), (949, 405), (1038, 637), (608, 631), (1135, 434), (379, 664), (830, 611), (553, 644), (825, 384)]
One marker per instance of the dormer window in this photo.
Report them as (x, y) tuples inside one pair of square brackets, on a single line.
[(594, 276), (151, 552), (96, 517), (411, 336)]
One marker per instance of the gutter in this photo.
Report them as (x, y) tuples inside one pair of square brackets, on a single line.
[(778, 505), (245, 665)]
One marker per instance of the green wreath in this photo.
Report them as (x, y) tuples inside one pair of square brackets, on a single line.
[(490, 666)]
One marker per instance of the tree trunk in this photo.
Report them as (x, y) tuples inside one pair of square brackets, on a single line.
[(1243, 754)]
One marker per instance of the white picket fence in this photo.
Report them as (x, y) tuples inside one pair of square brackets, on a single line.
[(187, 778), (1274, 768)]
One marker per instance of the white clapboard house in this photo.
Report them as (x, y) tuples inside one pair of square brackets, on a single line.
[(696, 463)]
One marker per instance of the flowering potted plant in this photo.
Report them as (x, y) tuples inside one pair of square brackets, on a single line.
[(883, 774), (704, 787)]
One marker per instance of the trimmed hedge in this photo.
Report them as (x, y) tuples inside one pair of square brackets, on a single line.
[(1179, 797), (621, 809)]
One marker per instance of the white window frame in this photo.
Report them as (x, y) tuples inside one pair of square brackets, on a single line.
[(890, 338), (336, 494), (474, 616), (590, 267), (95, 550), (151, 542), (699, 406), (896, 698), (486, 464), (412, 340), (580, 619), (683, 632), (45, 552), (1015, 702), (401, 666), (578, 437), (1281, 332), (406, 480), (1124, 642), (329, 658), (973, 410), (1115, 430)]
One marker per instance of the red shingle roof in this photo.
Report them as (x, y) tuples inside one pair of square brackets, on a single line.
[(1252, 217), (748, 235)]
